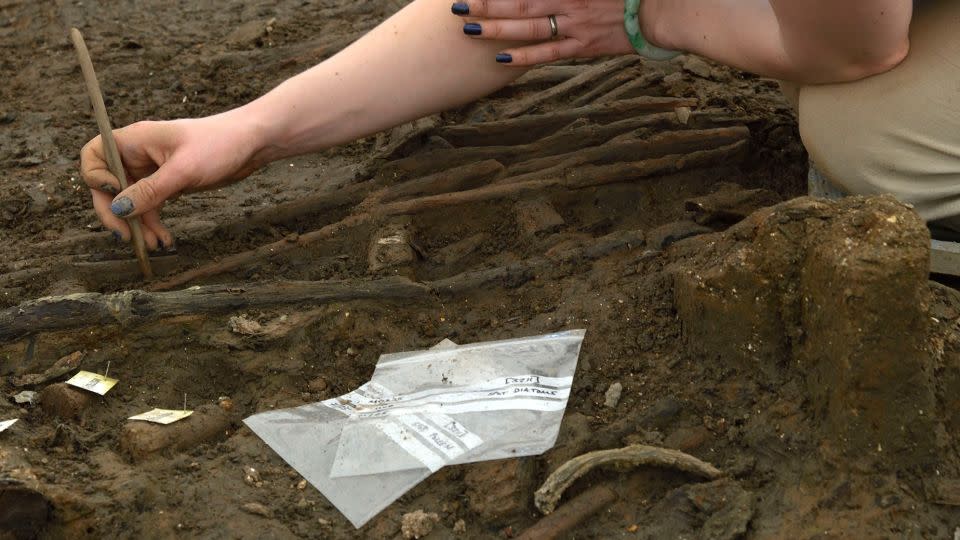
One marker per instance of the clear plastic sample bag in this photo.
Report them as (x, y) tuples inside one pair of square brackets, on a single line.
[(424, 410)]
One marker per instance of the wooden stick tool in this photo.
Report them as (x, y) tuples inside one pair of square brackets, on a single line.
[(114, 162)]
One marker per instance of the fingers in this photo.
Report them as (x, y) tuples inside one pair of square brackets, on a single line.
[(541, 53), (506, 9), (151, 222), (101, 204), (94, 170), (147, 194), (535, 29)]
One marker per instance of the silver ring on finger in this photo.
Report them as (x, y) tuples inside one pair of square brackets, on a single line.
[(554, 27)]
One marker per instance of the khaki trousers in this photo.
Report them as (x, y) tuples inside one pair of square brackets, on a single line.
[(897, 132)]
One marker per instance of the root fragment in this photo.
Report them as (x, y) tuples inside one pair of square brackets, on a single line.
[(575, 512), (549, 494)]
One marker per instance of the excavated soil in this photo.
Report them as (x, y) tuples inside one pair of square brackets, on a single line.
[(799, 348)]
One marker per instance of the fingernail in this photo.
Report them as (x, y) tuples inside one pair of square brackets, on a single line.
[(108, 188), (172, 248), (117, 237), (504, 58), (122, 207), (472, 29), (460, 8)]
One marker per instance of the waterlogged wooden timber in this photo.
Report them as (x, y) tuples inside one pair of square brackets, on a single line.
[(532, 127), (94, 309), (631, 76), (516, 108), (584, 177), (565, 520), (456, 179), (132, 307), (578, 134), (671, 142), (547, 75)]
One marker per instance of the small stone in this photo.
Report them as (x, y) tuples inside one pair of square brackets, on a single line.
[(252, 477), (318, 385), (302, 485), (27, 397), (225, 403), (537, 217), (612, 397), (257, 509), (697, 66), (460, 527), (418, 524), (246, 327)]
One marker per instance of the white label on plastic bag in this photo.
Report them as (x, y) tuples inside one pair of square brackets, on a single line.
[(456, 430), (6, 424), (162, 416), (530, 392), (405, 438), (93, 382)]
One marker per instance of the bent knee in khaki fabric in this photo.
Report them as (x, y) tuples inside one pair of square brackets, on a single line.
[(897, 132)]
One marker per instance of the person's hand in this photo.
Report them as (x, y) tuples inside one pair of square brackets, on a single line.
[(163, 160), (585, 28)]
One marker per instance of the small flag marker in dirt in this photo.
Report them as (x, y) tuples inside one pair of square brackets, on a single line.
[(164, 416), (94, 382)]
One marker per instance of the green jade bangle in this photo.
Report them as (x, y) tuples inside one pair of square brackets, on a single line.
[(631, 21)]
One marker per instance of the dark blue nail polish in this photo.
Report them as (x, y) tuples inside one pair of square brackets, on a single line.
[(504, 58), (159, 244), (117, 237), (460, 8), (122, 207), (472, 29)]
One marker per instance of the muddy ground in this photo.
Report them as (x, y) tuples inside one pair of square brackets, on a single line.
[(800, 348)]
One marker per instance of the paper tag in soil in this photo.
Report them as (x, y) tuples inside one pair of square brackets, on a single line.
[(6, 424), (162, 416), (93, 382)]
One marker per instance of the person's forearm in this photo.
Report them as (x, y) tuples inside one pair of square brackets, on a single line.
[(416, 63), (808, 41)]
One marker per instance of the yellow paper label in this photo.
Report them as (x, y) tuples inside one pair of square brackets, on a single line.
[(93, 382), (6, 424), (162, 416)]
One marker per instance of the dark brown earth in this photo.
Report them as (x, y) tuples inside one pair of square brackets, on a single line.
[(799, 348)]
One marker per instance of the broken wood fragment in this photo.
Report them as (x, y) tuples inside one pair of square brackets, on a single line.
[(516, 108), (640, 85), (565, 520), (545, 75), (637, 455), (662, 144), (729, 204), (94, 309), (530, 128), (456, 179), (61, 367)]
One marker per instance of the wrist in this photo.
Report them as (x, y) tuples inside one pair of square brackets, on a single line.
[(653, 22), (256, 134)]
